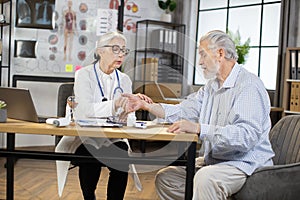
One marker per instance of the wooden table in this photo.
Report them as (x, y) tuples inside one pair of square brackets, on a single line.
[(151, 133)]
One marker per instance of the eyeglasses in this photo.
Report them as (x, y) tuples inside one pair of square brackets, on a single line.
[(117, 49)]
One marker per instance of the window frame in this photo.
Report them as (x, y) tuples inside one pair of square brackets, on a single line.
[(228, 8)]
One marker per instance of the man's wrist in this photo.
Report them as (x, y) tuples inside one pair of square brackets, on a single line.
[(146, 106)]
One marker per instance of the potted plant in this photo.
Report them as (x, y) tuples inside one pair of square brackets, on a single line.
[(241, 48), (3, 111), (168, 6)]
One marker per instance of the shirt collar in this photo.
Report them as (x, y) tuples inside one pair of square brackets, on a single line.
[(104, 76), (230, 80)]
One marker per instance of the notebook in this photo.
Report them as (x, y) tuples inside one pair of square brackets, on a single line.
[(20, 105)]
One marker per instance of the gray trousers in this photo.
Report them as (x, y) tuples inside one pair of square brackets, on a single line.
[(212, 182)]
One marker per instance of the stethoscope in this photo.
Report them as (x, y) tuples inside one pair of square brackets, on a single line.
[(101, 90)]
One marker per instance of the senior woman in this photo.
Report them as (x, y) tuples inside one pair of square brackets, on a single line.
[(98, 89)]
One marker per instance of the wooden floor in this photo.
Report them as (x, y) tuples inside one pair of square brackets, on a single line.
[(36, 180)]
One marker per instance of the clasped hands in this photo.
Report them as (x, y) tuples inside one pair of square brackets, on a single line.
[(126, 101), (134, 102)]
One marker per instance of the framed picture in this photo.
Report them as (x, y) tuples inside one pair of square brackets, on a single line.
[(35, 13), (25, 48)]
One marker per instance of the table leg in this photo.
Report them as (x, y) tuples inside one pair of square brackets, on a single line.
[(190, 171), (10, 167)]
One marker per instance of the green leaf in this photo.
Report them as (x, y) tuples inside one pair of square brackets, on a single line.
[(2, 104), (162, 5), (241, 49), (172, 6), (168, 5)]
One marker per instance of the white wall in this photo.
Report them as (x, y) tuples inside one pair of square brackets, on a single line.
[(188, 16), (45, 94), (190, 19), (44, 97), (1, 140)]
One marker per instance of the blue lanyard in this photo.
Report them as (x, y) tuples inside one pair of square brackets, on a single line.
[(99, 84)]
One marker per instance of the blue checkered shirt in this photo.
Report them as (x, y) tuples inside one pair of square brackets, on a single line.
[(234, 120)]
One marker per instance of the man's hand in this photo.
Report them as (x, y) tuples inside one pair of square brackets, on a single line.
[(184, 126)]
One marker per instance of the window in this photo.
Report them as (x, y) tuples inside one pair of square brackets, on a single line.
[(258, 20)]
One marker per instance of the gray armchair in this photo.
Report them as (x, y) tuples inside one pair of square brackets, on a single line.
[(281, 181)]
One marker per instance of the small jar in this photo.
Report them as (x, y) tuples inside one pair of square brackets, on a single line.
[(131, 119)]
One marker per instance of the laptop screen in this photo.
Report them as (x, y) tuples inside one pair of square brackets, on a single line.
[(19, 104)]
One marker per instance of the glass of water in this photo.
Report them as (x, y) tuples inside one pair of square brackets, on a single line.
[(72, 103)]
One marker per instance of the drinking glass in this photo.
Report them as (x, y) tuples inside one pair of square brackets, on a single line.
[(72, 103)]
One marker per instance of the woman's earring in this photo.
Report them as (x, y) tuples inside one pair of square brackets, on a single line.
[(96, 56)]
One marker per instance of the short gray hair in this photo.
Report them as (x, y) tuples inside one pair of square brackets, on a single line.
[(107, 37), (219, 39)]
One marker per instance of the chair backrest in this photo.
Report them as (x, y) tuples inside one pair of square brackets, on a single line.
[(285, 140), (65, 90)]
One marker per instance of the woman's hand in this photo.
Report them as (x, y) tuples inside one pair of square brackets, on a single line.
[(184, 126), (121, 102), (134, 102), (123, 117)]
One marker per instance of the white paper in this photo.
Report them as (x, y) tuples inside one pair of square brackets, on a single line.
[(96, 123), (107, 21)]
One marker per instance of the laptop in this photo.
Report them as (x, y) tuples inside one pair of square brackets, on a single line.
[(20, 105)]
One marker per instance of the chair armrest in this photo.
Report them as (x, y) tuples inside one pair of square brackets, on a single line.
[(274, 182), (276, 167)]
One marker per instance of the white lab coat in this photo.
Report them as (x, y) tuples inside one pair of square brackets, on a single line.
[(89, 99)]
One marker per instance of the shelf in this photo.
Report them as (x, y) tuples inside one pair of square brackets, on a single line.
[(155, 22), (293, 80), (154, 82), (158, 60), (287, 95), (4, 1), (4, 24), (153, 50), (291, 112)]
